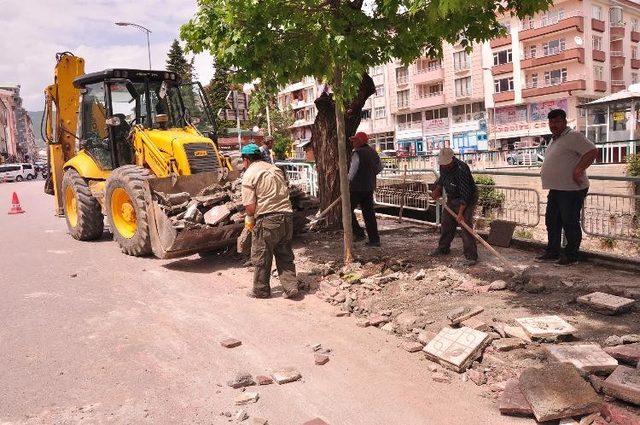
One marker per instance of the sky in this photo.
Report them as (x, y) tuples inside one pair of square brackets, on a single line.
[(33, 31)]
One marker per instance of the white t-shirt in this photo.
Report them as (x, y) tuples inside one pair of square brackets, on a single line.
[(561, 158)]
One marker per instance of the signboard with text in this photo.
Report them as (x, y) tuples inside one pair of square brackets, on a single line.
[(539, 111)]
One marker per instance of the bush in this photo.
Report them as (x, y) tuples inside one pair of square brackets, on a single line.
[(633, 165), (488, 197), (608, 243), (522, 233), (282, 146)]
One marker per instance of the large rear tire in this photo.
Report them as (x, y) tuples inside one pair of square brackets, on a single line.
[(81, 210), (127, 209)]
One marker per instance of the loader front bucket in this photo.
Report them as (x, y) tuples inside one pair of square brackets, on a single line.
[(169, 242)]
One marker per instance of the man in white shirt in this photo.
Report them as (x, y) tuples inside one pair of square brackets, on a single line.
[(563, 172)]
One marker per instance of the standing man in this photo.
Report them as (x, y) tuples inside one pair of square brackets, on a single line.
[(265, 196), (265, 149), (563, 172), (363, 171), (462, 197)]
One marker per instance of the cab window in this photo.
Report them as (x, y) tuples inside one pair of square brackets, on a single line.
[(95, 138)]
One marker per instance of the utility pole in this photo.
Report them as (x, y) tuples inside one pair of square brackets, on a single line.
[(235, 102), (141, 28)]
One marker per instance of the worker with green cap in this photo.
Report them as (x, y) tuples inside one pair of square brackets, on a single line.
[(265, 196)]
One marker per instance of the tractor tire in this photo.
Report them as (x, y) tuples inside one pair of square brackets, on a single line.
[(81, 209), (127, 210)]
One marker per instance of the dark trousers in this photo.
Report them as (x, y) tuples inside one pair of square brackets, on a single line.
[(365, 201), (563, 213), (448, 232)]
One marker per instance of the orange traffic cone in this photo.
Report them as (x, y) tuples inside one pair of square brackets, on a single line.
[(15, 205)]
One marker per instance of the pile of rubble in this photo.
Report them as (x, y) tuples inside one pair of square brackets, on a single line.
[(221, 205), (574, 372)]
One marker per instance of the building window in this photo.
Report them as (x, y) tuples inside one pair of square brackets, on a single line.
[(503, 84), (532, 51), (380, 112), (376, 70), (424, 65), (434, 64), (502, 57), (596, 12), (634, 24), (380, 90), (553, 47), (402, 75), (615, 16), (468, 112), (552, 17), (463, 87), (426, 90), (557, 76), (406, 121), (634, 52), (634, 77), (461, 60), (597, 42), (598, 72), (436, 114), (533, 81), (366, 114), (403, 99)]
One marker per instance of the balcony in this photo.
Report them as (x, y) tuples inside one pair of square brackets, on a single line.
[(502, 69), (426, 75), (554, 86), (500, 41), (599, 55), (428, 100), (402, 80), (617, 85), (599, 85), (617, 59), (301, 103), (545, 27), (555, 56), (504, 96), (616, 31), (635, 63), (635, 36), (597, 25)]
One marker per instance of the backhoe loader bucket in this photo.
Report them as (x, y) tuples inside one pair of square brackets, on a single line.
[(168, 242)]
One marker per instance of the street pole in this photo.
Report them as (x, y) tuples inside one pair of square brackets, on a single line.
[(149, 49), (141, 28), (235, 102), (268, 120)]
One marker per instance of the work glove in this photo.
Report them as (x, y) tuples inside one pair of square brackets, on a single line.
[(249, 222)]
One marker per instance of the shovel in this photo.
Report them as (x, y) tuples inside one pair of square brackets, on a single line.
[(321, 214)]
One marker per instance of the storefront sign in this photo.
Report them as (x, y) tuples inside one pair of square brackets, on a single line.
[(619, 116), (510, 114), (436, 124), (539, 111)]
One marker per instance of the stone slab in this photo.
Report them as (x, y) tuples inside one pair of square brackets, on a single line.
[(411, 346), (512, 402), (264, 380), (508, 344), (545, 327), (287, 375), (619, 416), (320, 359), (246, 398), (216, 215), (586, 357), (230, 343), (624, 384), (501, 233), (558, 391), (456, 348), (477, 324), (606, 303), (516, 332), (629, 353)]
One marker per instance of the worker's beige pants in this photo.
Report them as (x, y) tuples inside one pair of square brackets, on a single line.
[(271, 237)]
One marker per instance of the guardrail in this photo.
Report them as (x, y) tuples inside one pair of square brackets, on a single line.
[(303, 175)]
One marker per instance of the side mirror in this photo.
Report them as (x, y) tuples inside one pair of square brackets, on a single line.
[(113, 121), (162, 118)]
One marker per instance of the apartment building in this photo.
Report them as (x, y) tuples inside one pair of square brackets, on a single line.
[(377, 120), (299, 98), (8, 138)]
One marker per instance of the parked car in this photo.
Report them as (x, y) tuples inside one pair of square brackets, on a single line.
[(521, 157), (17, 172)]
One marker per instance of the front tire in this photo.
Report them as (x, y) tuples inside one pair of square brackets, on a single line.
[(19, 178), (127, 209), (81, 210)]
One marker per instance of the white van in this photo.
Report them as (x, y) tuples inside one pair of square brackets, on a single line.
[(17, 172)]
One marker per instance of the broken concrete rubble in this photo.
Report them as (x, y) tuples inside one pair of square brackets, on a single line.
[(512, 401), (456, 348), (284, 376), (320, 359), (246, 398), (230, 343), (411, 346), (241, 380), (629, 354), (606, 303), (216, 215), (586, 357), (545, 327), (624, 384), (508, 344), (558, 391), (463, 313)]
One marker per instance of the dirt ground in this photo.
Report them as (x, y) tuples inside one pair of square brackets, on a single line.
[(448, 284)]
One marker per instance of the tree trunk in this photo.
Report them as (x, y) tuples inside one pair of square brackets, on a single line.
[(324, 140)]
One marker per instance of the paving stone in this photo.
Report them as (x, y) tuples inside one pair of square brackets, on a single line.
[(512, 402), (264, 380), (629, 353), (477, 324), (606, 303), (389, 327), (241, 380), (216, 215), (586, 357), (461, 314), (316, 421), (377, 319), (508, 344), (545, 327), (320, 359), (618, 415), (284, 376), (246, 398), (230, 343), (362, 323), (624, 384), (516, 332), (558, 391), (456, 348), (478, 377), (411, 346), (259, 421)]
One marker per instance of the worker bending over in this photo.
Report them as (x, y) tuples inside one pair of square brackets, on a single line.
[(462, 197), (265, 196)]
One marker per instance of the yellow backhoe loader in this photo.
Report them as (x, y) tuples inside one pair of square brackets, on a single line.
[(117, 137)]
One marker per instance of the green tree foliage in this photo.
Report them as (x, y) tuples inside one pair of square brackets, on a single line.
[(177, 62), (282, 145), (217, 91), (488, 197), (633, 165), (281, 119), (280, 41)]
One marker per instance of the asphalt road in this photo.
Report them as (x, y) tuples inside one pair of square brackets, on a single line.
[(89, 335)]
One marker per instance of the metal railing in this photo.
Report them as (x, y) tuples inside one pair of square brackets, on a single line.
[(612, 216), (550, 18), (303, 175)]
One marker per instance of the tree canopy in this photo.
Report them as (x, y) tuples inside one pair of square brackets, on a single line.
[(280, 41), (177, 62)]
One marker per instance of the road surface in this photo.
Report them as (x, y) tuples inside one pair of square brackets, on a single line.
[(90, 335)]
